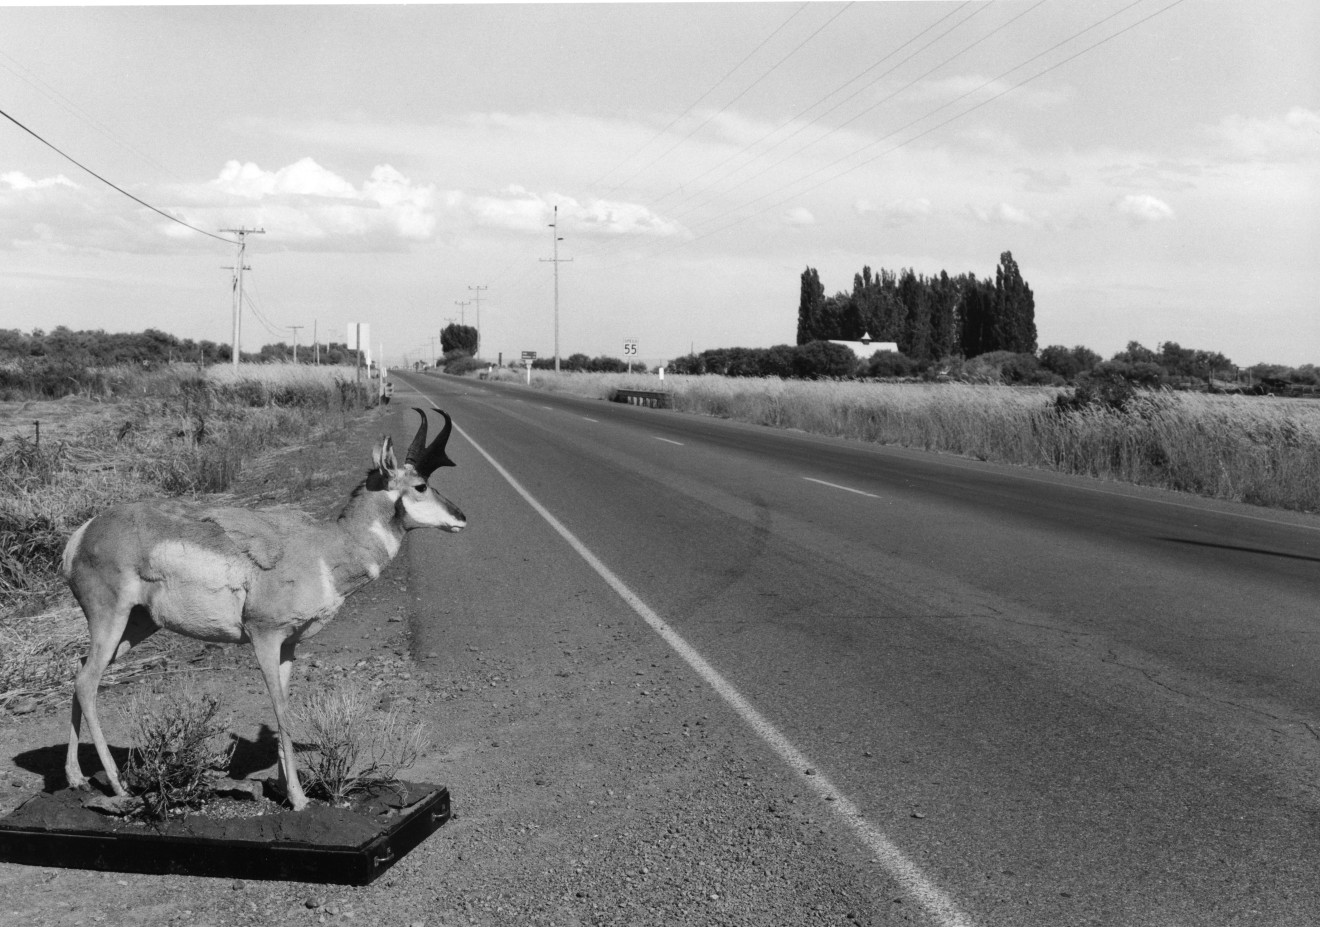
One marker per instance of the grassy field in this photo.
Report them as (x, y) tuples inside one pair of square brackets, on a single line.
[(1260, 450), (171, 432)]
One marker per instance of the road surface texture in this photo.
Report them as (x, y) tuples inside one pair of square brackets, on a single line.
[(683, 671)]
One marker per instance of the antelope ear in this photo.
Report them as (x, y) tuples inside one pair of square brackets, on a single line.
[(383, 457)]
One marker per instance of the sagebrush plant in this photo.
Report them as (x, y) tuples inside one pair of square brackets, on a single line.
[(349, 746), (180, 745)]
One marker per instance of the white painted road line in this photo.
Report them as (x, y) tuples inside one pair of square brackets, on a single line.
[(594, 421), (667, 441), (870, 495), (938, 905)]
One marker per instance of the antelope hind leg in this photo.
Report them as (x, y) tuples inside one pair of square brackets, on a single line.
[(110, 640)]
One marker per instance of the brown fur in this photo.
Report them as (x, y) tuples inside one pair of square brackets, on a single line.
[(272, 577)]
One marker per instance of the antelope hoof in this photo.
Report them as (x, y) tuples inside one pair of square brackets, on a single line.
[(78, 783)]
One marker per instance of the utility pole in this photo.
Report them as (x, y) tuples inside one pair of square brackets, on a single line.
[(433, 350), (238, 269), (462, 310), (316, 342), (478, 290), (295, 341), (556, 260)]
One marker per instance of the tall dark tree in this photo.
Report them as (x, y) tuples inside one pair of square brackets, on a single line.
[(944, 301), (977, 335), (1015, 309), (810, 304), (914, 335), (455, 337)]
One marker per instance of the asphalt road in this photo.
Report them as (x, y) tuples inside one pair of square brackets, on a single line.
[(1033, 699)]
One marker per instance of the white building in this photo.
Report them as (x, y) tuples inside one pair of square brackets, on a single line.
[(866, 347)]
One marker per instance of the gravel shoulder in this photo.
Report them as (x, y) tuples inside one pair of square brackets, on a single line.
[(595, 778)]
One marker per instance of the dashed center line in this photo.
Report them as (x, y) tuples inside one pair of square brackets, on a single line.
[(869, 495), (594, 421), (667, 441)]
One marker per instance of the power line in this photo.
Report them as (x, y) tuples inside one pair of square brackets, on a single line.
[(709, 90), (521, 277), (690, 209), (936, 127), (135, 199), (812, 106), (60, 99), (742, 94), (841, 126)]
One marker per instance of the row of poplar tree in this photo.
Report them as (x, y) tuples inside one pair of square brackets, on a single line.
[(929, 317)]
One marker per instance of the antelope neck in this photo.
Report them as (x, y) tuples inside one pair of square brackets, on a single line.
[(374, 527)]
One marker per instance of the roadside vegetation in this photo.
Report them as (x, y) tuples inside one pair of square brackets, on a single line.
[(128, 433), (1262, 451)]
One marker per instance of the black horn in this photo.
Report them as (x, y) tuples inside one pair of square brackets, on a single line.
[(426, 460)]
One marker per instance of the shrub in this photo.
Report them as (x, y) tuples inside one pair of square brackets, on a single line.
[(464, 363), (353, 747), (890, 364), (180, 746)]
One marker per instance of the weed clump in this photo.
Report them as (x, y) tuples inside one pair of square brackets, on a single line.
[(181, 745), (353, 747)]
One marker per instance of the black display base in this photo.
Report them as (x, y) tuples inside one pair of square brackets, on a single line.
[(344, 846)]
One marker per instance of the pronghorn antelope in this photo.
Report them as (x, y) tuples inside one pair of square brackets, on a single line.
[(226, 575)]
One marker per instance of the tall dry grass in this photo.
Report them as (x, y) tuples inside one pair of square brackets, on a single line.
[(169, 432), (1259, 450)]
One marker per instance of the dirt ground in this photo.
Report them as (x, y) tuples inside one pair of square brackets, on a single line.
[(594, 782)]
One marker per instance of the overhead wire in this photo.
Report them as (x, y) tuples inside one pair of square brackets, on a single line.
[(967, 94), (532, 266), (679, 213), (856, 77), (774, 67), (871, 108), (709, 90), (740, 220), (683, 212), (765, 74), (54, 95), (114, 186)]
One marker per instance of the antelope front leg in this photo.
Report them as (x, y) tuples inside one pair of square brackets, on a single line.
[(271, 651)]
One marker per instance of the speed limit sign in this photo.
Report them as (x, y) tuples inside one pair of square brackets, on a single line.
[(630, 347)]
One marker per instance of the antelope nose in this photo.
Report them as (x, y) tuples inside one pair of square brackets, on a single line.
[(459, 519)]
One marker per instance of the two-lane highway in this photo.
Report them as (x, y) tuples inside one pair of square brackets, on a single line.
[(1039, 699)]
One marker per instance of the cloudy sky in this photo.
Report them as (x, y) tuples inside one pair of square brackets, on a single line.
[(1153, 166)]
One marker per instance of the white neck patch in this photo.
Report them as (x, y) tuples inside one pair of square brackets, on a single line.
[(386, 538)]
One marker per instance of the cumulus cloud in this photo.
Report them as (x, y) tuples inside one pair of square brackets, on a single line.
[(1003, 214), (1142, 208), (52, 212), (799, 216), (517, 209), (311, 205), (17, 180), (1043, 181), (895, 212), (1293, 136)]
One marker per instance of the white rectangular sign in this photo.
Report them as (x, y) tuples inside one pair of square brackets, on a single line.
[(359, 337)]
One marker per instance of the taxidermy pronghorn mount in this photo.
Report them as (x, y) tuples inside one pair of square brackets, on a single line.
[(225, 575)]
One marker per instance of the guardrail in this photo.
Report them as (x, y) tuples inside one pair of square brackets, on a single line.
[(651, 398)]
